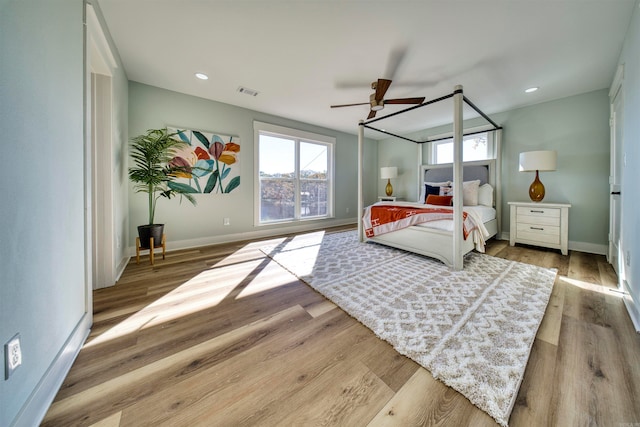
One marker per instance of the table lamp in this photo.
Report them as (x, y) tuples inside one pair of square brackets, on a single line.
[(538, 161), (388, 173)]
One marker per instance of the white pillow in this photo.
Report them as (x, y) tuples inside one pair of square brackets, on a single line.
[(485, 195), (469, 192)]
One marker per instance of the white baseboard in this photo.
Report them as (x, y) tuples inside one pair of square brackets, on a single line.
[(121, 266), (36, 406), (260, 233), (590, 248), (632, 306)]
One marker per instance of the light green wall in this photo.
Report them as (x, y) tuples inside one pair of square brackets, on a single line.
[(577, 127), (42, 274), (186, 225)]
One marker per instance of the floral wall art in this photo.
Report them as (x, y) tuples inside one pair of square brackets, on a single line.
[(209, 162)]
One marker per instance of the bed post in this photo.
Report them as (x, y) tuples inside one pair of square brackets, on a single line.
[(457, 178), (498, 178), (360, 179)]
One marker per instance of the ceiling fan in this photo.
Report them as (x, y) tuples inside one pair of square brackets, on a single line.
[(377, 101)]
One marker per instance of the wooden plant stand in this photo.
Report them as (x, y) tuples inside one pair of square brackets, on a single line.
[(152, 246)]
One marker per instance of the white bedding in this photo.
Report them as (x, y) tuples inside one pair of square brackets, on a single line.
[(485, 213)]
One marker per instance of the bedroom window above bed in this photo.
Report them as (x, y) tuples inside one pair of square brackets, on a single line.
[(474, 147), (294, 174)]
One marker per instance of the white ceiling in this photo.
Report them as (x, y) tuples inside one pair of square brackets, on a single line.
[(303, 56)]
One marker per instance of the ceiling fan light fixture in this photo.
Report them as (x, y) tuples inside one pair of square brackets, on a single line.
[(375, 104)]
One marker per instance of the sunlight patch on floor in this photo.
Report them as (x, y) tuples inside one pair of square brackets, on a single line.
[(592, 287), (205, 290)]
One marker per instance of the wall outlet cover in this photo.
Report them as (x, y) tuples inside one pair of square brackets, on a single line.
[(12, 356)]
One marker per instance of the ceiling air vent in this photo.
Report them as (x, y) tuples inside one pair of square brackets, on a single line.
[(247, 91)]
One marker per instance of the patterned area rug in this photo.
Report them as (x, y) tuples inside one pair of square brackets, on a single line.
[(472, 329)]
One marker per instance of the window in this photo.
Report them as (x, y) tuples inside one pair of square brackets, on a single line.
[(474, 147), (295, 174)]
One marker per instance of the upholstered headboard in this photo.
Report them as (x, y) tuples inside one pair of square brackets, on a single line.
[(484, 170), (469, 173)]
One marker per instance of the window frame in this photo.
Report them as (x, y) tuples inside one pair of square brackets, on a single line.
[(298, 136), (439, 140)]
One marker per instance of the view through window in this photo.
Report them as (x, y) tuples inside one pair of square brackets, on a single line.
[(474, 147), (294, 177)]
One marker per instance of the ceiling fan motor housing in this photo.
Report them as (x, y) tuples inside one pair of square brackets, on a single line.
[(375, 104)]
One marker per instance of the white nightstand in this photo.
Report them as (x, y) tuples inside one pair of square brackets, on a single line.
[(386, 198), (540, 224)]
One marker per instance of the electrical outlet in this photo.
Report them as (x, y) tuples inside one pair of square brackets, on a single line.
[(347, 210), (226, 221), (628, 258), (12, 356)]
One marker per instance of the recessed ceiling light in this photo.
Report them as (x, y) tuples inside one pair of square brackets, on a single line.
[(531, 89), (202, 76)]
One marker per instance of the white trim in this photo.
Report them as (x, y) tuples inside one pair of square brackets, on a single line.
[(99, 45), (617, 82), (254, 235), (590, 248), (35, 408), (298, 135), (632, 306), (586, 247)]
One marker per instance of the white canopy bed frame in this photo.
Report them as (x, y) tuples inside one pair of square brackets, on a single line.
[(449, 247)]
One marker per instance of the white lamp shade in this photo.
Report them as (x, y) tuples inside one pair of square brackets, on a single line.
[(388, 172), (538, 161)]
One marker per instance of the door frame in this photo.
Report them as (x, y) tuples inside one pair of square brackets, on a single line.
[(100, 68), (616, 101)]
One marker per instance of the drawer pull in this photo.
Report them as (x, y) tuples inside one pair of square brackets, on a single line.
[(537, 228), (534, 211)]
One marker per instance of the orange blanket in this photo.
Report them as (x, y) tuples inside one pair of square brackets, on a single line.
[(384, 218)]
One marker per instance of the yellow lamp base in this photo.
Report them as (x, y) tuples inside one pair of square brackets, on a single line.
[(536, 190), (389, 189)]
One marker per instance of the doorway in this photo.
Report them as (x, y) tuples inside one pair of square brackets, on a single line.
[(615, 176)]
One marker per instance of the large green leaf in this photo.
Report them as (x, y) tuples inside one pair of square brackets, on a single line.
[(211, 183), (182, 188), (203, 139), (235, 182)]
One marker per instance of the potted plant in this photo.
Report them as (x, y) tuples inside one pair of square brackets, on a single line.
[(153, 173)]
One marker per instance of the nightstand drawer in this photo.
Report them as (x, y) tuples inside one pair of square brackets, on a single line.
[(538, 212), (538, 233), (539, 220)]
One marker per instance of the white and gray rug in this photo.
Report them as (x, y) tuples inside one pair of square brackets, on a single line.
[(472, 329)]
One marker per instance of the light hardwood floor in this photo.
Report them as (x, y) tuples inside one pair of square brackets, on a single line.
[(221, 336)]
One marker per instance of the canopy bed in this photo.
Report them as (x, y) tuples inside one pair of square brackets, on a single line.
[(450, 232)]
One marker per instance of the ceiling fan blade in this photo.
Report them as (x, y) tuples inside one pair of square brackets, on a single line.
[(404, 101), (371, 115), (381, 88), (349, 105), (395, 58)]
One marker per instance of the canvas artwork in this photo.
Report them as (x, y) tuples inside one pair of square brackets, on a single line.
[(209, 162)]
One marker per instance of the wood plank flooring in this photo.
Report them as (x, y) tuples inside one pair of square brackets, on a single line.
[(222, 336)]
